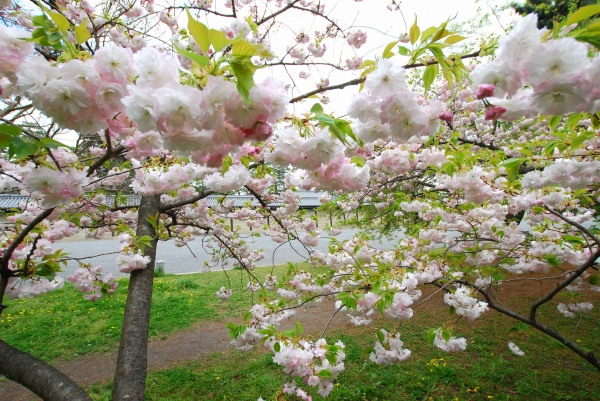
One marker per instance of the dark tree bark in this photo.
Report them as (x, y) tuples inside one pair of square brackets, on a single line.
[(47, 382), (130, 375)]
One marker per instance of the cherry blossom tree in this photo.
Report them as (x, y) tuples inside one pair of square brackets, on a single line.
[(490, 170)]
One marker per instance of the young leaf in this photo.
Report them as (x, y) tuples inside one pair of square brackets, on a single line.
[(553, 122), (428, 76), (299, 328), (325, 373), (61, 22), (583, 13), (199, 32), (198, 58), (359, 161), (573, 239), (380, 336), (403, 51), (414, 32), (388, 49), (551, 259), (218, 39), (243, 48), (81, 33), (316, 108), (245, 77), (227, 163), (511, 163), (454, 39), (427, 33)]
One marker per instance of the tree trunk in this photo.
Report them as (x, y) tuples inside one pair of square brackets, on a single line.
[(47, 382), (130, 375)]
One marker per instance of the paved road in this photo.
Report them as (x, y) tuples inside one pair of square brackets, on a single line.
[(181, 260)]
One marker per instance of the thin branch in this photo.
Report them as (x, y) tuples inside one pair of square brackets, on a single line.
[(589, 263), (358, 81), (573, 223)]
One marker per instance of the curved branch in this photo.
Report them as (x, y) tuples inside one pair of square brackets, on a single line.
[(587, 355), (575, 224), (187, 201), (589, 263), (44, 380), (358, 81), (276, 13), (21, 237)]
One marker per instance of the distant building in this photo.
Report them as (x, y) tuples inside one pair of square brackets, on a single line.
[(308, 200)]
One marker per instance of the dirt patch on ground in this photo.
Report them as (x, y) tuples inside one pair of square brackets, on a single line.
[(187, 345), (208, 338)]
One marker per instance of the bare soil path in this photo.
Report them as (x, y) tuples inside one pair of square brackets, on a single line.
[(187, 345)]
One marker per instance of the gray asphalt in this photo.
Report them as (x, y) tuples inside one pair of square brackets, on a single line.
[(183, 260)]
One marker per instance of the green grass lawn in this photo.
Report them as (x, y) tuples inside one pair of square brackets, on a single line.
[(487, 370), (62, 325)]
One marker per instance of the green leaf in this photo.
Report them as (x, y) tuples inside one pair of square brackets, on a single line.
[(553, 122), (325, 373), (316, 108), (448, 168), (218, 39), (199, 32), (243, 48), (573, 239), (380, 336), (578, 141), (61, 22), (227, 163), (551, 259), (198, 58), (81, 33), (331, 357), (454, 39), (446, 335), (559, 343), (299, 328), (594, 279), (583, 13), (428, 32), (441, 32), (359, 161), (388, 49), (277, 347), (21, 149), (245, 77), (511, 163), (430, 335), (520, 326), (428, 76), (403, 51), (52, 143), (452, 310), (10, 129), (145, 240), (497, 276), (414, 32), (5, 140)]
